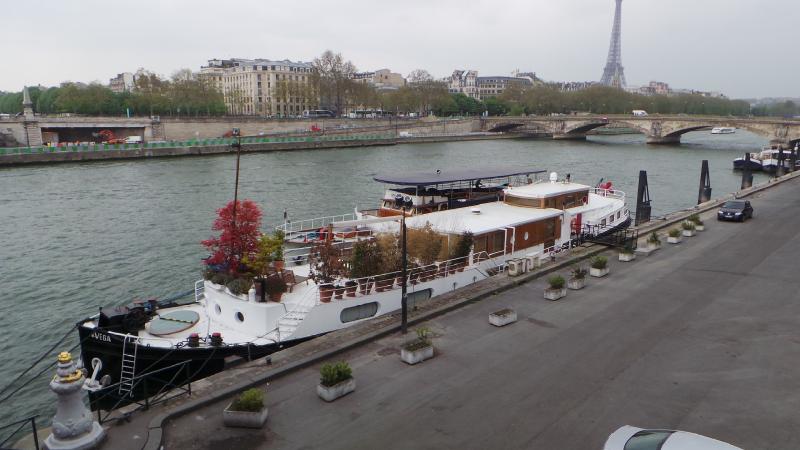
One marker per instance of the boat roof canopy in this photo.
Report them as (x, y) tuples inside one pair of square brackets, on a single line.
[(439, 176)]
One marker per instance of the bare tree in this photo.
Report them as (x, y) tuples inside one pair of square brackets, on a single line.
[(333, 79)]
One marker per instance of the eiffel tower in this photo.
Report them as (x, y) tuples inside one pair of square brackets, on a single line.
[(614, 74)]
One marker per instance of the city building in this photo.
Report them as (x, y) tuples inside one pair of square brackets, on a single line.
[(123, 82), (494, 86), (570, 86), (262, 86), (383, 79), (463, 82)]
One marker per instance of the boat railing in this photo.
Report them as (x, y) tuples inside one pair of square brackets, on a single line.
[(199, 290), (611, 193), (289, 228)]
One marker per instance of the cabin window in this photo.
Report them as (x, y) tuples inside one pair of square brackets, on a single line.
[(480, 244), (359, 312), (239, 316), (526, 236), (524, 202), (550, 229), (611, 219), (603, 223), (618, 213), (498, 242), (413, 298)]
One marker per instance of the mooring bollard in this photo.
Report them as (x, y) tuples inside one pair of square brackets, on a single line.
[(747, 176), (704, 194), (643, 207), (73, 425)]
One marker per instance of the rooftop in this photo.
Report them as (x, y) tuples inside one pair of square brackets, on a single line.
[(546, 189), (493, 216), (441, 176)]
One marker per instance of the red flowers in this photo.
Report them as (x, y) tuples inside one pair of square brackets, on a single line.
[(236, 240)]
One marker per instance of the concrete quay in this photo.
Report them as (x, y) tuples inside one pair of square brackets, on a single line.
[(677, 339)]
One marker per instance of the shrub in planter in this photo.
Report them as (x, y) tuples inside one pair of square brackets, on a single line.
[(275, 287), (419, 349), (239, 286), (599, 266), (626, 253), (459, 253), (698, 224), (654, 241), (246, 410), (674, 236), (688, 228), (326, 266), (221, 279), (350, 288), (578, 279), (336, 380), (556, 289)]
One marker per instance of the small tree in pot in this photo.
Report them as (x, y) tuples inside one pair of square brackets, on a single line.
[(599, 266), (626, 253), (419, 349), (460, 252), (556, 289), (688, 228), (424, 246), (364, 263), (674, 236), (578, 279), (336, 380), (698, 224), (275, 287), (247, 410), (653, 241), (326, 267)]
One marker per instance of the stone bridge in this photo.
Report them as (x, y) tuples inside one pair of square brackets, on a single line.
[(658, 129)]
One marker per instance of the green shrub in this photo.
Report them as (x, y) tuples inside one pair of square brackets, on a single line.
[(673, 233), (239, 286), (627, 250), (695, 219), (599, 262), (653, 238), (220, 278), (251, 400), (423, 340), (688, 226), (556, 282), (579, 272), (332, 374)]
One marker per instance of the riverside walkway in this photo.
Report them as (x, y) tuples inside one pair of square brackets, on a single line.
[(702, 336)]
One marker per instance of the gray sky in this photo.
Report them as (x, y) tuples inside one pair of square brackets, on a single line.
[(743, 48)]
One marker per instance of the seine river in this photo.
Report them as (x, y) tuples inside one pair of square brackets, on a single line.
[(79, 236)]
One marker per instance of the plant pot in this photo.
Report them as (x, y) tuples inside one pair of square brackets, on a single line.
[(364, 286), (576, 283), (325, 293), (383, 284), (503, 317), (338, 292), (555, 294), (688, 233), (700, 228), (244, 419), (627, 257), (416, 356), (350, 288), (598, 273), (331, 393), (275, 297), (674, 240)]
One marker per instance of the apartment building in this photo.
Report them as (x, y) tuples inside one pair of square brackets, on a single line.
[(382, 79), (489, 87), (123, 82), (263, 86), (463, 82)]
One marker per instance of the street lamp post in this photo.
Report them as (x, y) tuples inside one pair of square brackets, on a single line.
[(403, 291)]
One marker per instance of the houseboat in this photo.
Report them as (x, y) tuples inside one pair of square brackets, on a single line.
[(533, 220)]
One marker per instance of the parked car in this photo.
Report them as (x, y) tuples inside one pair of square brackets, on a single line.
[(738, 210), (632, 438)]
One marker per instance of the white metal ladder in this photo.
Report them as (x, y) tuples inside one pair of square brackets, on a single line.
[(128, 370)]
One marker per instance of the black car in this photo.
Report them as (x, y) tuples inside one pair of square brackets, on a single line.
[(738, 210)]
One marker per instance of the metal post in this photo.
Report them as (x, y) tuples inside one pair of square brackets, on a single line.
[(238, 146), (747, 176), (704, 193), (643, 207), (35, 434), (781, 171), (403, 292)]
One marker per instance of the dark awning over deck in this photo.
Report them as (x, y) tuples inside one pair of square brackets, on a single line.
[(441, 176)]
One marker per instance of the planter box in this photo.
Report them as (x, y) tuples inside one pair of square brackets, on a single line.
[(331, 393), (503, 317), (244, 419), (598, 273), (649, 248), (626, 257), (700, 228), (674, 240), (688, 233), (416, 356), (555, 294), (576, 283)]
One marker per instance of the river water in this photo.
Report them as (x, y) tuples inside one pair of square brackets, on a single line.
[(74, 237)]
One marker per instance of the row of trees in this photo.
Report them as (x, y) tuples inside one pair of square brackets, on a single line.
[(184, 94), (779, 109)]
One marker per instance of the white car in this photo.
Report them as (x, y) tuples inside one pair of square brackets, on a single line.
[(632, 438)]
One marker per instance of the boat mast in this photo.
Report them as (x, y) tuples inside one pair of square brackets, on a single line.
[(238, 146)]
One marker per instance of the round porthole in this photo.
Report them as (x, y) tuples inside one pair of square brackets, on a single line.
[(218, 309), (239, 317), (526, 236)]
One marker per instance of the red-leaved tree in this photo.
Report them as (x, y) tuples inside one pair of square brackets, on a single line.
[(235, 240)]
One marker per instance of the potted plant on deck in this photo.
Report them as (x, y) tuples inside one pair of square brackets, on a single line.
[(336, 380), (424, 247), (325, 268), (653, 242), (556, 289), (626, 253), (688, 228), (578, 279), (419, 349), (698, 224), (599, 266), (459, 255), (674, 236), (247, 410), (364, 263), (275, 286)]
